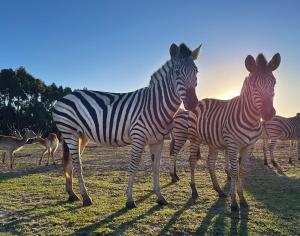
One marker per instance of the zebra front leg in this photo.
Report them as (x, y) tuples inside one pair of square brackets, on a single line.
[(233, 170), (211, 164), (291, 152), (194, 148), (227, 164), (155, 150), (265, 149), (271, 148), (137, 149), (244, 157)]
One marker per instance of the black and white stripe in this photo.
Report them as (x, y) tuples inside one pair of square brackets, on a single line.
[(232, 125), (139, 118), (280, 128)]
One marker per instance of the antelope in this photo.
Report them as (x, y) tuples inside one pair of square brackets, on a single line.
[(50, 144), (12, 144), (15, 133)]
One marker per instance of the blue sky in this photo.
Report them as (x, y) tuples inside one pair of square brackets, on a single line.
[(117, 45)]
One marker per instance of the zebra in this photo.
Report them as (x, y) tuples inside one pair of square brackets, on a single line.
[(280, 128), (233, 125), (139, 118)]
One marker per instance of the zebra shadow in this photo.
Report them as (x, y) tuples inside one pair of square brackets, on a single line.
[(278, 193), (216, 218), (122, 227)]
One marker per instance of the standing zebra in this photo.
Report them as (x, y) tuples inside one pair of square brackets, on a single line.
[(139, 118), (280, 128), (233, 125)]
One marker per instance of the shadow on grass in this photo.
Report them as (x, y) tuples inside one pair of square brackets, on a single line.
[(122, 227), (278, 193), (177, 214), (26, 172)]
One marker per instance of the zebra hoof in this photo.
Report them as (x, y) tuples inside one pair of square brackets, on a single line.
[(73, 198), (222, 195), (130, 205), (195, 195), (275, 163), (87, 201), (234, 207), (162, 201), (174, 180)]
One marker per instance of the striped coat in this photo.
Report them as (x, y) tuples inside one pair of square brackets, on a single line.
[(139, 118), (280, 128), (232, 125)]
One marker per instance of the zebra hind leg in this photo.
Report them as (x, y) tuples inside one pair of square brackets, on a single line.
[(211, 164), (68, 169), (155, 151), (175, 147), (194, 148)]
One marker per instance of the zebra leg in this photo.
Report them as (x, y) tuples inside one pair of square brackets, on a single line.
[(175, 147), (74, 147), (271, 148), (233, 170), (194, 147), (137, 149), (227, 164), (155, 151), (68, 169), (244, 157), (265, 144), (211, 164), (291, 151)]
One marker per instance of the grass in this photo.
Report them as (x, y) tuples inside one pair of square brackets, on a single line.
[(33, 198)]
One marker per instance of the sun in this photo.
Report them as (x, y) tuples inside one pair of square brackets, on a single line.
[(228, 94)]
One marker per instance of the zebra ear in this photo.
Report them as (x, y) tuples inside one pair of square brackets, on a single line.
[(275, 62), (250, 63), (174, 51), (196, 52)]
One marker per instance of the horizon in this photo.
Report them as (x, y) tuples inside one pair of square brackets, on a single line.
[(117, 46)]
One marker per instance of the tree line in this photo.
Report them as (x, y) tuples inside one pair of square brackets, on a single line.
[(26, 101)]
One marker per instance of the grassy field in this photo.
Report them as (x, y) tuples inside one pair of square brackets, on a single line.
[(33, 198)]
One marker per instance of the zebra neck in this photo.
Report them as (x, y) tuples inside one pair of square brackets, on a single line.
[(249, 112), (163, 100)]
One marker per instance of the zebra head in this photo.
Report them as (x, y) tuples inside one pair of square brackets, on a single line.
[(184, 74), (261, 83)]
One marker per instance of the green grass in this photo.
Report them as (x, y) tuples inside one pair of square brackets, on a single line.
[(33, 199)]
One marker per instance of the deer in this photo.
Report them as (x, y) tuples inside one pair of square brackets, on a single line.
[(50, 143), (11, 144)]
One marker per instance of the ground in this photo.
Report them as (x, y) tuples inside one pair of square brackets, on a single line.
[(33, 198)]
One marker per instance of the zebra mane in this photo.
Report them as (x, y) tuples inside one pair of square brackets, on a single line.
[(161, 73)]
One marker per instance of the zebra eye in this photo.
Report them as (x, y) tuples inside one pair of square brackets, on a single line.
[(177, 72)]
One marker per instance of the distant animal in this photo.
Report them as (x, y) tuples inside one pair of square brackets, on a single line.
[(50, 143), (15, 133), (12, 144), (139, 118), (233, 125), (280, 128)]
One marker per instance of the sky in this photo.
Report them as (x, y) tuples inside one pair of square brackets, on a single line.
[(116, 45)]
